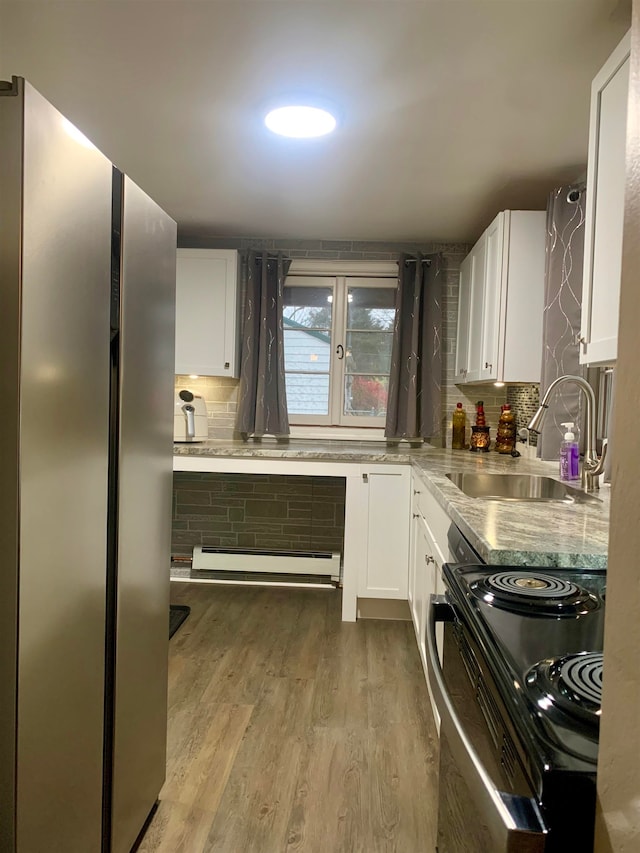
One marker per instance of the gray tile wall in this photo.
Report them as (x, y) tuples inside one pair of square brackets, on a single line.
[(257, 511)]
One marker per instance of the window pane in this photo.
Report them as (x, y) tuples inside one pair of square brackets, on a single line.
[(366, 396), (371, 307), (307, 394), (368, 352), (306, 350), (307, 307)]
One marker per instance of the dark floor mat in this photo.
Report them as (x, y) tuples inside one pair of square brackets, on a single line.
[(177, 614)]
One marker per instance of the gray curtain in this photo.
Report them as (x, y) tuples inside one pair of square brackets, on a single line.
[(413, 409), (262, 405), (562, 312)]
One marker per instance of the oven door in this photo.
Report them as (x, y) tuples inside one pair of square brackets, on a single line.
[(475, 814)]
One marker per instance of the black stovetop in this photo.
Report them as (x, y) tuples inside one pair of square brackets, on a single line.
[(541, 632)]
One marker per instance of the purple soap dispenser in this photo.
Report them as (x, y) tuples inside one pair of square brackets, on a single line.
[(569, 455)]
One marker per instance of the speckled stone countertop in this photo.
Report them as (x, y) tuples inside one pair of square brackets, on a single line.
[(502, 532), (519, 533), (329, 451)]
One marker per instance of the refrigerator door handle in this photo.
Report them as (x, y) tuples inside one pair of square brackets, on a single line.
[(189, 411)]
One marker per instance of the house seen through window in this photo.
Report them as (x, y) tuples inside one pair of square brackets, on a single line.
[(337, 345)]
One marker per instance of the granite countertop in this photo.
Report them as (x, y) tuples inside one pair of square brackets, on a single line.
[(519, 533), (502, 532), (341, 451)]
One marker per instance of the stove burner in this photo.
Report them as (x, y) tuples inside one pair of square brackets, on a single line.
[(533, 593), (540, 586), (581, 678), (572, 684)]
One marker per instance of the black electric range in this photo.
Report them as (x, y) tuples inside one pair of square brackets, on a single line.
[(530, 641)]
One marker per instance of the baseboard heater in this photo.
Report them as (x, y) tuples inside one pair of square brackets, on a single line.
[(323, 563)]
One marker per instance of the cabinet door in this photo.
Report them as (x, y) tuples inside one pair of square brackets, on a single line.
[(491, 302), (386, 570), (474, 354), (605, 209), (207, 312), (464, 306), (419, 582)]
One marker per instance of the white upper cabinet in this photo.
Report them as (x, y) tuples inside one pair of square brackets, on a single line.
[(502, 301), (478, 258), (493, 284), (207, 337), (605, 209), (464, 306)]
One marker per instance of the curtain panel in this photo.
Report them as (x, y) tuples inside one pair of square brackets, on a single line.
[(414, 404), (262, 404)]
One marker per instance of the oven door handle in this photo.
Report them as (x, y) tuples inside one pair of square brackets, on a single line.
[(515, 822)]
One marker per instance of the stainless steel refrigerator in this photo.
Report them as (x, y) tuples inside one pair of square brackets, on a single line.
[(87, 281)]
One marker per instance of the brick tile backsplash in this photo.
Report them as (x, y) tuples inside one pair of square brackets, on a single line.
[(257, 511)]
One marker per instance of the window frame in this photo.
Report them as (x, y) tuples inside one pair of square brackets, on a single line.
[(314, 282), (343, 276)]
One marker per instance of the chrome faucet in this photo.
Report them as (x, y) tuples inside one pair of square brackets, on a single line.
[(592, 465)]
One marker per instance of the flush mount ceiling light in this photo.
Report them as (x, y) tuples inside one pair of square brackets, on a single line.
[(300, 122)]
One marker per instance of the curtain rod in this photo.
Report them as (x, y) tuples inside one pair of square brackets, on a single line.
[(408, 261)]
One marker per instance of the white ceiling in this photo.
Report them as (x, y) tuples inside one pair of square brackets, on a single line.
[(451, 109)]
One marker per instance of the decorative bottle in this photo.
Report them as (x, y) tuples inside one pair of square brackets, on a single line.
[(480, 440), (506, 436), (459, 427)]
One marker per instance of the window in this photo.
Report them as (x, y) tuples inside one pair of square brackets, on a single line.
[(338, 334)]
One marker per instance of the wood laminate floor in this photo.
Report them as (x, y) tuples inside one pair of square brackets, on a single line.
[(290, 730)]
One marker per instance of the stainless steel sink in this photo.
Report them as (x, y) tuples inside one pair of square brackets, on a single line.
[(519, 487)]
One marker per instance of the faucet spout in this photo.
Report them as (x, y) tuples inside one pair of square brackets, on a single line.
[(592, 465)]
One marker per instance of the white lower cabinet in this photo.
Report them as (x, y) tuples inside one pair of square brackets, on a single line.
[(384, 573)]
